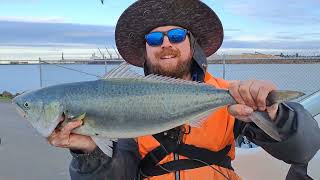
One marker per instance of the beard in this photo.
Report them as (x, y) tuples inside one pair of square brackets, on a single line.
[(181, 69)]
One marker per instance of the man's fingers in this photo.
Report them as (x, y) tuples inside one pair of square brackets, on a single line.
[(61, 138), (254, 91), (250, 95), (244, 90), (66, 130), (261, 98), (65, 139), (262, 95), (52, 137), (240, 110), (56, 139), (81, 142), (234, 91)]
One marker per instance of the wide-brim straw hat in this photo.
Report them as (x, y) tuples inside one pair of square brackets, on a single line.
[(145, 15)]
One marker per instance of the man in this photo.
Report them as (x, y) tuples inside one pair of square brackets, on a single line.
[(173, 38)]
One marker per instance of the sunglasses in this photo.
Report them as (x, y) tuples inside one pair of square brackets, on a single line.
[(176, 35)]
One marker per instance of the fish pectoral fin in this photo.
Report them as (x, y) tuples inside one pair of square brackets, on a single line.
[(198, 120), (106, 145), (80, 117), (69, 118)]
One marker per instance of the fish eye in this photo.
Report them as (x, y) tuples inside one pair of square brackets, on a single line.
[(26, 105)]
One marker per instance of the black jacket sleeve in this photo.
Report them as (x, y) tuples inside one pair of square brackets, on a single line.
[(98, 166), (300, 129)]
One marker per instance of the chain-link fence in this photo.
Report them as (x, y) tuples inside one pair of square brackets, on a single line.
[(302, 77)]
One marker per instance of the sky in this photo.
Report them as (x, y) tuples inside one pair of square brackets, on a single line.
[(248, 24)]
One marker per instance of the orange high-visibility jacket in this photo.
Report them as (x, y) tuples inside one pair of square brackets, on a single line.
[(215, 134)]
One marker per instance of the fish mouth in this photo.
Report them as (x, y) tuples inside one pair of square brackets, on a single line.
[(56, 125), (19, 109), (60, 121)]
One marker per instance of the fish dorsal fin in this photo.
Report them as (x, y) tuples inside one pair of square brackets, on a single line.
[(166, 79), (122, 71)]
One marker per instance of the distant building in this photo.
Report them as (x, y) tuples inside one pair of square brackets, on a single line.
[(4, 62), (94, 57)]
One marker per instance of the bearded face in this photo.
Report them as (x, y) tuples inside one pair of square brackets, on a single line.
[(169, 59), (172, 67)]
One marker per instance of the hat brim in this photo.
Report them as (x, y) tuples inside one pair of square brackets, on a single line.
[(145, 15)]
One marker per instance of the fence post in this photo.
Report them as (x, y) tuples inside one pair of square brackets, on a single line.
[(224, 67), (40, 72), (105, 67)]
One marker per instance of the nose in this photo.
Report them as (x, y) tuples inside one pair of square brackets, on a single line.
[(166, 43)]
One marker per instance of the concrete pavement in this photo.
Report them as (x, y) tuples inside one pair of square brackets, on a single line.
[(26, 155)]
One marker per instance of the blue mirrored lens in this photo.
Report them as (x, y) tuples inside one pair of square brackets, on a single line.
[(177, 35), (154, 38)]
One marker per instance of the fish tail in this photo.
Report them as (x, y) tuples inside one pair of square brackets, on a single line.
[(278, 96)]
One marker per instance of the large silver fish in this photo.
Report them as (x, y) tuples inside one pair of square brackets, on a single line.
[(128, 105)]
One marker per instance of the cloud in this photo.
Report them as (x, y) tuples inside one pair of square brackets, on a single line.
[(232, 30), (310, 34), (291, 12), (33, 19), (251, 38), (298, 36), (66, 34), (287, 37), (85, 34), (278, 40), (272, 44), (49, 44), (19, 1), (227, 37), (54, 33)]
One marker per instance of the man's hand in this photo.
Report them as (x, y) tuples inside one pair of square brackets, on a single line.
[(65, 139), (251, 95)]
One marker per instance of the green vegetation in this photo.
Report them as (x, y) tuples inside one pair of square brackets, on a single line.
[(5, 99)]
